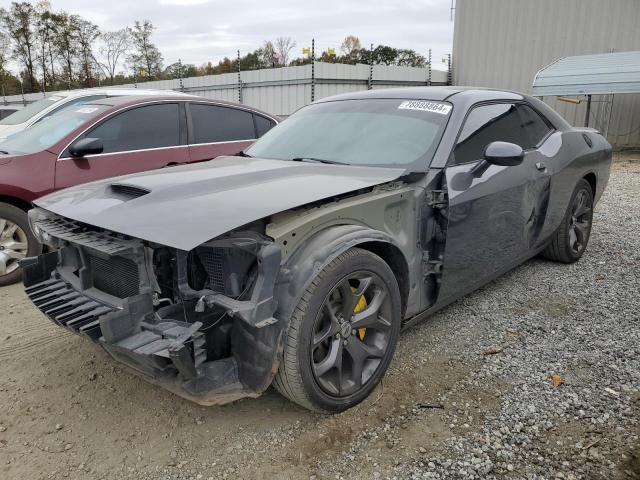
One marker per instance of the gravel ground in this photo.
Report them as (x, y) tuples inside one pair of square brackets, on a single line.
[(537, 375)]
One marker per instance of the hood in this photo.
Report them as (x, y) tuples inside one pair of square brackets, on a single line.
[(185, 206)]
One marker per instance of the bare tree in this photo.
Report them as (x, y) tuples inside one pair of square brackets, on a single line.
[(113, 49), (267, 53), (283, 47), (350, 47)]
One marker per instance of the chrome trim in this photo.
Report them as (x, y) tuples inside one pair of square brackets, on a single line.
[(156, 148)]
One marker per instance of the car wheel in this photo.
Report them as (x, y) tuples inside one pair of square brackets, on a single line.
[(342, 334), (570, 240), (16, 243)]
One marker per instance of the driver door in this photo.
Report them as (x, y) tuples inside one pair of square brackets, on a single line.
[(495, 217)]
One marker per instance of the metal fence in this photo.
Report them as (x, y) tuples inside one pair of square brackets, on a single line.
[(281, 91)]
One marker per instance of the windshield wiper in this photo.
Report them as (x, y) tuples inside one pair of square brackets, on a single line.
[(317, 160), (242, 154), (4, 152)]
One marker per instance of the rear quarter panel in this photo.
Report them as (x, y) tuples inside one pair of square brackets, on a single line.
[(570, 158)]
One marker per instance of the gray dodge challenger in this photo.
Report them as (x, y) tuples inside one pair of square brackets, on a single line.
[(298, 262)]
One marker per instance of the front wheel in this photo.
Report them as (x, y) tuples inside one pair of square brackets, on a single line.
[(342, 335), (16, 243), (570, 240)]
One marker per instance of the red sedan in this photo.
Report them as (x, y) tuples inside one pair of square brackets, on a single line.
[(107, 138)]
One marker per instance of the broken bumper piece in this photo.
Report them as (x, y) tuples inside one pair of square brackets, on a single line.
[(191, 358)]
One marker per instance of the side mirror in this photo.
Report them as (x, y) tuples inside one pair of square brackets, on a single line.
[(86, 146), (504, 153)]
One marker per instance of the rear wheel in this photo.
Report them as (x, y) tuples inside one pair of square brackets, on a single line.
[(16, 243), (570, 240), (342, 335)]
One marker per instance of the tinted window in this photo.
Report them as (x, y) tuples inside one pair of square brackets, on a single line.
[(152, 126), (263, 124), (212, 123), (486, 124), (537, 128)]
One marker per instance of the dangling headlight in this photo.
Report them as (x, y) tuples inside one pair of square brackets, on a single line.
[(35, 215)]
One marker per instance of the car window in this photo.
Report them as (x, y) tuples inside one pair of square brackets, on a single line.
[(212, 123), (45, 134), (30, 110), (151, 126), (486, 124), (382, 132), (537, 128), (72, 103), (263, 124)]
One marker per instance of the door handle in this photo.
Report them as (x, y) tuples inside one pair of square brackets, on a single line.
[(541, 166)]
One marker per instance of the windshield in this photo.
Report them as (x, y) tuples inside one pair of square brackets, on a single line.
[(380, 132), (30, 110), (50, 130)]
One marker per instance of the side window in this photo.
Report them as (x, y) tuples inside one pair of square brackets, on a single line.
[(486, 124), (152, 126), (263, 124), (536, 127), (212, 123)]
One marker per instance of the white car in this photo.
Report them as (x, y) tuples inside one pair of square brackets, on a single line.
[(36, 111)]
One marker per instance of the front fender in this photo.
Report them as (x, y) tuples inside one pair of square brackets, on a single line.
[(311, 257)]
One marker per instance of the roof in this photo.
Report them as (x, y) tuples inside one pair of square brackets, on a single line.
[(130, 100), (114, 91), (599, 74), (439, 93)]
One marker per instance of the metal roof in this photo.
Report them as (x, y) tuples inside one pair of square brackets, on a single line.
[(600, 74)]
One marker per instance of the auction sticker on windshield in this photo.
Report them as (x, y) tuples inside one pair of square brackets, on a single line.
[(425, 106), (87, 110)]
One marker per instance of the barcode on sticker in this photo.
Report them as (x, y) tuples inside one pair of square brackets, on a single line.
[(425, 106)]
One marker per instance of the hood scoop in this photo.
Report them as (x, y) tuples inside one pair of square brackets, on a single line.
[(127, 192)]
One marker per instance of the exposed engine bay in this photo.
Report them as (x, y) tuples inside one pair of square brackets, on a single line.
[(199, 323)]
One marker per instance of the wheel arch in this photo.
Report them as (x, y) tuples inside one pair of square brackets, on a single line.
[(16, 202), (301, 267), (593, 181)]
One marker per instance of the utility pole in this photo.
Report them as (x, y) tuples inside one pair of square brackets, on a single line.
[(180, 74), (313, 69), (429, 70), (449, 72)]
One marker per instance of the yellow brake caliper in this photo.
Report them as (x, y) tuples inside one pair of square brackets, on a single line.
[(361, 305)]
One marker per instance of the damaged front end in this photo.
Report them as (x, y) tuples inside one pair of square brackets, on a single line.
[(200, 323)]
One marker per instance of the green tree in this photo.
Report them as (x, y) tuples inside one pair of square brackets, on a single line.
[(145, 58), (66, 45), (19, 23), (87, 33)]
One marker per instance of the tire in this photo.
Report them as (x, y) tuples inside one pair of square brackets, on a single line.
[(14, 244), (354, 275), (570, 241)]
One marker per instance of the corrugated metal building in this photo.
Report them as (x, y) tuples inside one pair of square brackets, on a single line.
[(503, 43), (282, 91)]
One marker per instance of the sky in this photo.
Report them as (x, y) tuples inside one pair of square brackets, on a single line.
[(197, 31)]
